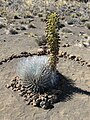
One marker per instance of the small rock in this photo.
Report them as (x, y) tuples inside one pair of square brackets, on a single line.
[(28, 92), (18, 86), (43, 19), (48, 51), (66, 45), (12, 83), (42, 104), (72, 56), (17, 78), (31, 95), (22, 93), (41, 51), (84, 19), (34, 103), (31, 34), (16, 17), (35, 96), (31, 26), (87, 24), (82, 61), (1, 25), (22, 89), (61, 53), (72, 21), (40, 14), (43, 98), (77, 59), (22, 28), (25, 95), (38, 101), (8, 86), (66, 30), (28, 15), (88, 64), (25, 99), (14, 89), (13, 31), (28, 96), (49, 96), (28, 102), (82, 64)]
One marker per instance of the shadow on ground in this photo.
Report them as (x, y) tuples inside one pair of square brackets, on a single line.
[(68, 88)]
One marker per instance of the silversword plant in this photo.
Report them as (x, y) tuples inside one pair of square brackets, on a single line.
[(39, 72)]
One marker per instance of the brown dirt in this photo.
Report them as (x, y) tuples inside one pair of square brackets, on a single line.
[(77, 106)]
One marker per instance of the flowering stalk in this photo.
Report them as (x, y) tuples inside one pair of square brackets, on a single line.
[(53, 38)]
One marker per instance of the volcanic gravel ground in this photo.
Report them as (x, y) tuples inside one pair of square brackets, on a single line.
[(24, 33)]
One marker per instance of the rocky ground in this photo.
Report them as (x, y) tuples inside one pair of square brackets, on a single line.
[(22, 30)]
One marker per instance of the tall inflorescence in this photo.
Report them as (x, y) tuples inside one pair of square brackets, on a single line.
[(53, 38)]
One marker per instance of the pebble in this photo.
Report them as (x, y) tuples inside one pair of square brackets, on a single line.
[(12, 31), (78, 58), (22, 89), (42, 104), (61, 53), (66, 45), (72, 56), (34, 103), (82, 61), (25, 95), (16, 17), (1, 25), (43, 19), (88, 64), (48, 51), (38, 101), (18, 85), (23, 28), (43, 101), (14, 89), (82, 64), (28, 92), (72, 21), (31, 26), (28, 102), (31, 94), (66, 30), (40, 14), (41, 51), (22, 93), (87, 24), (49, 96), (8, 86), (28, 96), (84, 19), (29, 15), (17, 78)]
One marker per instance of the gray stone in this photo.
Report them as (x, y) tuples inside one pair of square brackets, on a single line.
[(66, 30)]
